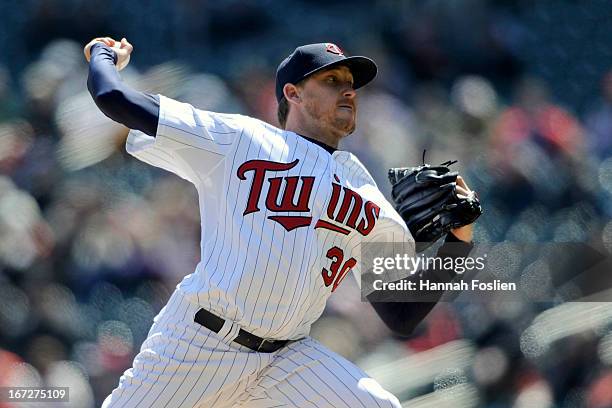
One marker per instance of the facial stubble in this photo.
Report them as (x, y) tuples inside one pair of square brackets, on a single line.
[(338, 122)]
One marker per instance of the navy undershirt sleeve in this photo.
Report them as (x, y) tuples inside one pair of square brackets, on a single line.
[(134, 109), (403, 317)]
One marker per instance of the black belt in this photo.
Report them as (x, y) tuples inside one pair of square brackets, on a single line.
[(256, 343)]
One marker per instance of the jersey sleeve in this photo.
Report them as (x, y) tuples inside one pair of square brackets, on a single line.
[(189, 142)]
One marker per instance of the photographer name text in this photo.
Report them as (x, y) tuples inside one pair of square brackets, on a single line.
[(475, 285)]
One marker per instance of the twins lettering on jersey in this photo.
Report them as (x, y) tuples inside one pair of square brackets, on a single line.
[(346, 210), (353, 212)]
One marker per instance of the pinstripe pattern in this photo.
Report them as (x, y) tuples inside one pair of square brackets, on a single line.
[(306, 374), (253, 271)]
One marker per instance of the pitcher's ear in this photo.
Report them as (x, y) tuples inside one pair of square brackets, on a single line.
[(292, 93)]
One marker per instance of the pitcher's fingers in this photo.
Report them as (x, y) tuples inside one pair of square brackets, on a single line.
[(461, 182), (462, 191), (126, 44), (105, 40)]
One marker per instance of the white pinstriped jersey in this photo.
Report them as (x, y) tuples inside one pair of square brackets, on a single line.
[(282, 219)]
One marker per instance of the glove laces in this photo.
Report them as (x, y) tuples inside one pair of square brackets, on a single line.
[(445, 164)]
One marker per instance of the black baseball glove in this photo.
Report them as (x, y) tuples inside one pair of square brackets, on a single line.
[(426, 197)]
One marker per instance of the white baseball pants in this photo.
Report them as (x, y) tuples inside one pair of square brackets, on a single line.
[(184, 365)]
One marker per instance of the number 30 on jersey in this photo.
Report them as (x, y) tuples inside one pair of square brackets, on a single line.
[(338, 268)]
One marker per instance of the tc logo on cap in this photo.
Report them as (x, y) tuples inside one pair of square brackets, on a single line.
[(333, 48)]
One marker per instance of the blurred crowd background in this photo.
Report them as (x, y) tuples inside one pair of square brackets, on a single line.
[(92, 242)]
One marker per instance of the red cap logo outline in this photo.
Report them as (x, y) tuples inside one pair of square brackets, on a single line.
[(333, 48)]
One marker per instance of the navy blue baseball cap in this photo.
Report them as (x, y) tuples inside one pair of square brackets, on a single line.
[(311, 58)]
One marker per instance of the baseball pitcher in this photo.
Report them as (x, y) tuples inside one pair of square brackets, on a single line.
[(283, 215)]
